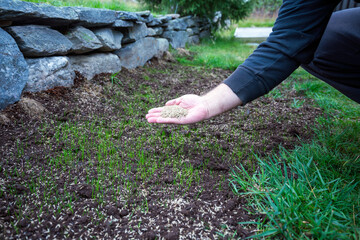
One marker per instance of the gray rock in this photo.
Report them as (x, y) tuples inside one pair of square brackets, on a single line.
[(91, 65), (95, 17), (144, 13), (21, 12), (151, 32), (128, 16), (205, 34), (227, 23), (110, 39), (137, 54), (49, 72), (83, 40), (177, 39), (155, 22), (32, 108), (165, 19), (4, 120), (173, 16), (196, 30), (40, 41), (158, 31), (148, 19), (122, 24), (14, 71), (191, 22), (162, 46), (135, 33), (176, 24), (193, 40), (190, 31)]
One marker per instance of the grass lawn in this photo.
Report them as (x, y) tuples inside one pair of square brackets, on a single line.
[(130, 6)]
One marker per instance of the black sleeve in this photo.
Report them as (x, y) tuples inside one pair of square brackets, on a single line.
[(296, 34)]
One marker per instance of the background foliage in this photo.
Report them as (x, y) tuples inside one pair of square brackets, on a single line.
[(267, 5), (230, 9)]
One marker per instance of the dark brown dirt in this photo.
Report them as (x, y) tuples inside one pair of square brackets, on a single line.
[(159, 207)]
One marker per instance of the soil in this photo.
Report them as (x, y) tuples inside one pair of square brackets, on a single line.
[(39, 200), (173, 112)]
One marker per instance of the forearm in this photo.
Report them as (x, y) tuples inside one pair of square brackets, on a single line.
[(220, 99)]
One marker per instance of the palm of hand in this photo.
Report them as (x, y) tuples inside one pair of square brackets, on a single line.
[(197, 110)]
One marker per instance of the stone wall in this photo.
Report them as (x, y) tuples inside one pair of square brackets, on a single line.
[(41, 46)]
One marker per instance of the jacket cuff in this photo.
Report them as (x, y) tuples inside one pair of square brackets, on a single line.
[(245, 85)]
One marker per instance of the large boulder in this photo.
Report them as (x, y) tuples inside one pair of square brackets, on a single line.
[(91, 65), (40, 41), (110, 39), (83, 40), (49, 72), (137, 54), (21, 12), (14, 71), (162, 47), (94, 17), (177, 39), (135, 33)]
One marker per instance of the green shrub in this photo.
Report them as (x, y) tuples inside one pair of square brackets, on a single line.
[(230, 9)]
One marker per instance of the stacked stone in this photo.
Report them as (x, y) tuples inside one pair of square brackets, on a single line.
[(41, 45), (180, 30)]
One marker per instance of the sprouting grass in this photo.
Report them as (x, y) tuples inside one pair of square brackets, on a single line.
[(108, 4)]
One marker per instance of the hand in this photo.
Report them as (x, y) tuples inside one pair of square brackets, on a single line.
[(217, 101), (196, 106)]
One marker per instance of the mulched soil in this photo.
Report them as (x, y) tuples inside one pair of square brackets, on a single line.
[(159, 207)]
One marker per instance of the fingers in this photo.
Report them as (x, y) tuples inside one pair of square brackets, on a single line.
[(156, 110), (154, 116), (176, 101), (154, 119)]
